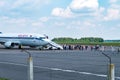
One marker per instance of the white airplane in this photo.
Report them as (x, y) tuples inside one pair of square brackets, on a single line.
[(10, 40)]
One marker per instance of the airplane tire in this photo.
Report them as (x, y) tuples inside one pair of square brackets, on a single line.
[(58, 48), (20, 47), (40, 49)]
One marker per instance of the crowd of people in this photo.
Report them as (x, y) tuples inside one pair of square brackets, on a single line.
[(91, 47), (80, 47)]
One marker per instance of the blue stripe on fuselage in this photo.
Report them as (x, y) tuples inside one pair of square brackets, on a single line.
[(21, 38)]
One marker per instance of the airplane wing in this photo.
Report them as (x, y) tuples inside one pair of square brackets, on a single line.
[(2, 42), (9, 43), (12, 41)]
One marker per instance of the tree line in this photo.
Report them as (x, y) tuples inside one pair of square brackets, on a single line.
[(81, 40)]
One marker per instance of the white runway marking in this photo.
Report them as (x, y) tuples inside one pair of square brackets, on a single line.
[(57, 69)]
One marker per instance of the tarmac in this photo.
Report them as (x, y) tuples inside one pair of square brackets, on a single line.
[(58, 64)]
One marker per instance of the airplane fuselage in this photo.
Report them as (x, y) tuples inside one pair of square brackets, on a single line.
[(10, 40), (25, 39)]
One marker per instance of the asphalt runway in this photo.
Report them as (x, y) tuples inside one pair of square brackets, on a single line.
[(58, 64)]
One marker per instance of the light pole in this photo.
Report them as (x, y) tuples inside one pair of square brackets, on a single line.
[(111, 73), (30, 65)]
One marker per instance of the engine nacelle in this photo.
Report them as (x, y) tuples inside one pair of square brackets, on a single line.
[(9, 44)]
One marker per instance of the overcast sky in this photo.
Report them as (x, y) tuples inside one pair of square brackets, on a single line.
[(62, 18)]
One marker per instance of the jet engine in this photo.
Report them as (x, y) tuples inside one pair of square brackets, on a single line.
[(9, 44)]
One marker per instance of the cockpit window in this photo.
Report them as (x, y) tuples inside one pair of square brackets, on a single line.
[(46, 36), (42, 37)]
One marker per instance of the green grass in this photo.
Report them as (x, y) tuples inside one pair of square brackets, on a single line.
[(92, 43)]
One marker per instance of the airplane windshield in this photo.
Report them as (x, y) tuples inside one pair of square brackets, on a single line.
[(46, 37), (42, 37)]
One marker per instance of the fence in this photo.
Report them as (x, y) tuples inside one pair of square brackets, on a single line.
[(59, 64)]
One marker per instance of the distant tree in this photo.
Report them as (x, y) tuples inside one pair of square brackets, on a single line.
[(71, 40), (3, 79), (92, 39), (63, 39)]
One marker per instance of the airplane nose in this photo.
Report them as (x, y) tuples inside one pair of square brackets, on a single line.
[(47, 41)]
